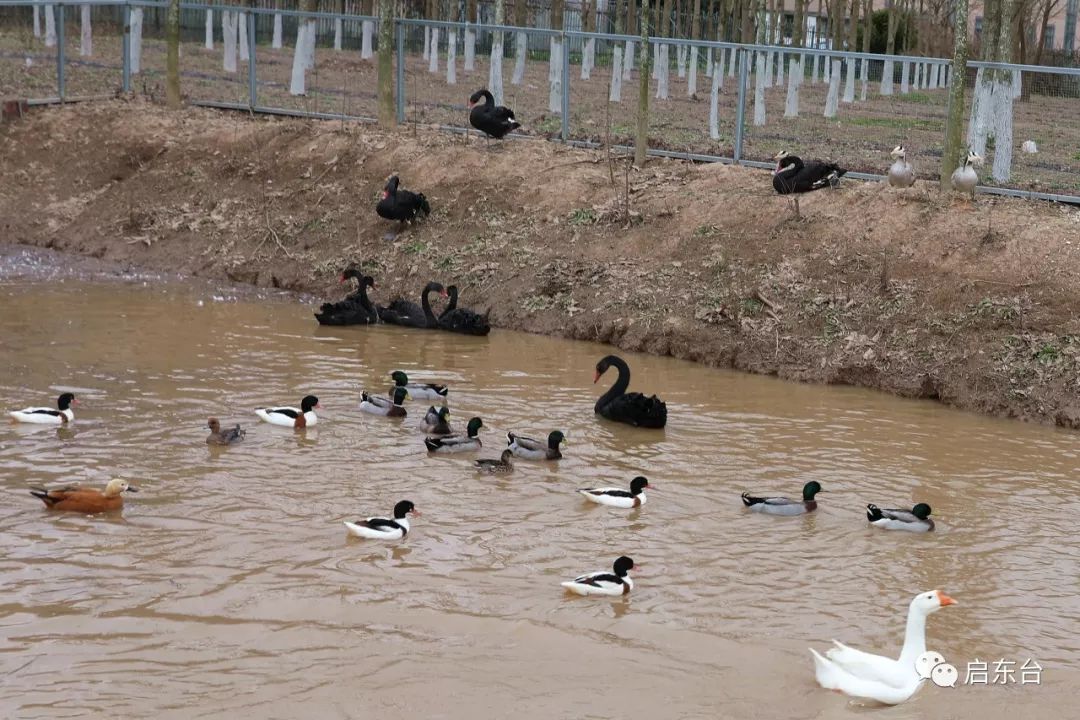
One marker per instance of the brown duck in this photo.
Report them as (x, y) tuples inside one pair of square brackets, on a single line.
[(85, 500)]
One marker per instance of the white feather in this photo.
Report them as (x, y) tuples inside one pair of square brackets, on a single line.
[(41, 416)]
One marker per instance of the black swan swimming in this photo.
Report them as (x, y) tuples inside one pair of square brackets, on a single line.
[(493, 120), (792, 175), (401, 205), (462, 320), (409, 314), (630, 408), (356, 309)]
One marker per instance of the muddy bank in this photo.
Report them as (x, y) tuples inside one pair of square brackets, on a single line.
[(894, 290)]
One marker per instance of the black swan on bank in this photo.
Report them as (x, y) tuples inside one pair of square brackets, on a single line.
[(401, 205), (462, 320), (493, 120), (409, 314), (356, 309), (792, 175), (630, 408)]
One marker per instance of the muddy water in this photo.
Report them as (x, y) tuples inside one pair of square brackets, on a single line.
[(229, 585)]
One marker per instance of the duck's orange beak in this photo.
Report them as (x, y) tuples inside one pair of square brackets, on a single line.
[(944, 599)]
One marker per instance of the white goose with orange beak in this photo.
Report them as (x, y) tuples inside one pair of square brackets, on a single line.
[(875, 677)]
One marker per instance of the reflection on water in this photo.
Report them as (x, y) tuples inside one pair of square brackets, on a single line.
[(230, 583)]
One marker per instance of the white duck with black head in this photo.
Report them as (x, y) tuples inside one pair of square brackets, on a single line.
[(612, 584), (379, 528), (62, 415), (298, 418)]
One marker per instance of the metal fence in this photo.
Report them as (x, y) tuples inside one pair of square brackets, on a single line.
[(709, 101)]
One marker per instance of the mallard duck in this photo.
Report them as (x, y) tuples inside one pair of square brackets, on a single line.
[(298, 418), (437, 422), (375, 405), (85, 500), (783, 505), (530, 449), (418, 391), (504, 464), (875, 677), (457, 443), (218, 436), (617, 497), (377, 528), (604, 583), (917, 519), (62, 415), (964, 178), (901, 173)]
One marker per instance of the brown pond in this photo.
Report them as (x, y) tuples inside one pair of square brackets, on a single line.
[(228, 587)]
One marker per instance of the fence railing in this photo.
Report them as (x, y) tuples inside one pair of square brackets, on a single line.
[(709, 101)]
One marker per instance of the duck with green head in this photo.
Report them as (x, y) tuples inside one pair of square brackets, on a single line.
[(375, 405), (418, 391), (437, 421), (457, 443), (783, 505), (917, 519), (530, 449)]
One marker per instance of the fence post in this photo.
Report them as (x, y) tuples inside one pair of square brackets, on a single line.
[(125, 50), (740, 110), (252, 84), (399, 90), (60, 59), (564, 130)]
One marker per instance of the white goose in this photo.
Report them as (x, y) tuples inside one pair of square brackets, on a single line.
[(875, 677), (47, 416)]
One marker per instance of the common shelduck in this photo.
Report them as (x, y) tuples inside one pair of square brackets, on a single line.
[(377, 528), (617, 497), (47, 416), (290, 416), (604, 583)]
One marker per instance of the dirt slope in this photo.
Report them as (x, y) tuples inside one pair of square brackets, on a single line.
[(896, 290)]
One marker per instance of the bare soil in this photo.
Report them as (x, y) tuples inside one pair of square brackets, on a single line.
[(903, 291)]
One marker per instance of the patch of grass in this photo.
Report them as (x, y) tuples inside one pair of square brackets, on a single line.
[(706, 231), (447, 263), (550, 124), (897, 123), (536, 303), (583, 216), (1076, 156), (1048, 354), (751, 306), (918, 98), (415, 247)]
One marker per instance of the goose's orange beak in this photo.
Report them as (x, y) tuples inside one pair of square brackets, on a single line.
[(944, 599)]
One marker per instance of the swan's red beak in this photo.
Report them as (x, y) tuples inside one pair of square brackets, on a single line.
[(944, 599), (373, 285), (341, 279), (443, 293), (596, 376), (472, 105), (385, 194)]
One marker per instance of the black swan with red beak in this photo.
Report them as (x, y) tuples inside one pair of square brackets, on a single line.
[(409, 314), (792, 175), (401, 205), (494, 120), (462, 320), (630, 408), (355, 309)]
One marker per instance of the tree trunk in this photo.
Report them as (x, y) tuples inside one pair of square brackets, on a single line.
[(208, 35), (868, 12), (50, 25), (228, 40), (339, 30), (588, 50), (495, 72), (277, 40), (387, 13), (641, 136), (950, 158), (172, 55), (890, 49), (86, 34), (37, 21), (240, 20), (470, 36), (831, 100), (852, 46), (135, 45), (305, 33)]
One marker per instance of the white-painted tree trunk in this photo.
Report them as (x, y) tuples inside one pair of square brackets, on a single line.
[(1006, 90), (495, 71), (135, 45), (555, 77), (427, 43), (833, 98), (521, 46), (826, 70), (367, 29), (759, 89), (37, 21), (887, 78), (470, 50), (451, 57), (228, 36), (905, 78), (656, 61), (849, 81), (864, 79), (615, 92), (719, 67), (769, 69), (433, 52), (791, 102), (50, 25), (816, 70), (242, 34), (208, 36), (732, 61), (662, 83), (590, 54), (978, 124), (680, 60), (708, 62), (779, 63), (305, 34), (86, 33), (714, 100), (313, 34), (277, 41), (691, 73), (628, 60), (338, 32)]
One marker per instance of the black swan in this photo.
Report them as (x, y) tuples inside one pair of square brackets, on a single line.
[(409, 314), (630, 408), (401, 205), (356, 309), (493, 120), (462, 320), (794, 176)]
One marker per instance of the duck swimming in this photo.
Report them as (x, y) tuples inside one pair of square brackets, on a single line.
[(504, 463), (356, 309), (617, 497), (491, 119), (298, 418), (526, 447), (409, 314), (62, 415), (376, 405), (85, 500), (462, 320), (605, 583), (630, 408), (437, 422), (917, 519), (783, 505), (377, 528), (457, 443), (218, 436), (418, 391)]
